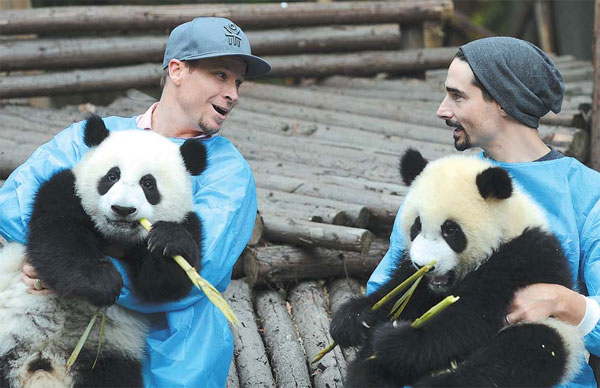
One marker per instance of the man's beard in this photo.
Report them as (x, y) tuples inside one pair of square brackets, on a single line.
[(459, 144)]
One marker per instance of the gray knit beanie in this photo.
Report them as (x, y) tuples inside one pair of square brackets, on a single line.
[(520, 77)]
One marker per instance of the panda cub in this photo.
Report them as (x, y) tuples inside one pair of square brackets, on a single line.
[(489, 239), (79, 216)]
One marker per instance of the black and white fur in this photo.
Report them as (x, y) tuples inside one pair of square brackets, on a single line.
[(490, 240), (79, 216)]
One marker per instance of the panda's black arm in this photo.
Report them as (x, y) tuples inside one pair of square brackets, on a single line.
[(353, 322), (155, 276), (65, 249), (412, 353)]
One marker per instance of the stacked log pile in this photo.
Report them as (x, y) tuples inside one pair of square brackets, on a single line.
[(298, 39)]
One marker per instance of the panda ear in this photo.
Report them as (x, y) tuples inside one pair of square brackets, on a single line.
[(95, 131), (494, 183), (193, 153), (411, 165)]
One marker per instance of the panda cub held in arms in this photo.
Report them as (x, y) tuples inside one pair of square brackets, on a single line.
[(490, 240), (79, 216)]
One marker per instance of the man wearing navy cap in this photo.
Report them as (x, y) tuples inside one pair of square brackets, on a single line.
[(206, 60), (497, 89)]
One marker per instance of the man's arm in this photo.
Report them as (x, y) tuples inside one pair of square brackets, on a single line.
[(387, 265)]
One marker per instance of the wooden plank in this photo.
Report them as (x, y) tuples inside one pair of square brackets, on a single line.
[(262, 16), (69, 53), (310, 315), (251, 359), (281, 340)]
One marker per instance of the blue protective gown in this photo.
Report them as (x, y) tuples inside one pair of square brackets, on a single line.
[(569, 192), (190, 343)]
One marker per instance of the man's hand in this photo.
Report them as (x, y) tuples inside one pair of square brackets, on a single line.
[(30, 278), (542, 300)]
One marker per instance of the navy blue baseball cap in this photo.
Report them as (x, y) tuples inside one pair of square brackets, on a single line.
[(211, 37)]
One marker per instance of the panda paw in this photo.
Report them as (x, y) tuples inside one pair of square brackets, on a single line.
[(396, 348), (351, 325), (105, 286), (170, 239)]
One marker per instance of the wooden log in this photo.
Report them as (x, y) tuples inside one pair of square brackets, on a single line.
[(72, 53), (382, 207), (139, 76), (595, 129), (361, 63), (250, 357), (314, 234), (286, 263), (384, 143), (281, 340), (358, 215), (118, 18), (308, 307), (115, 78), (304, 212), (257, 231), (340, 291), (328, 175), (233, 381)]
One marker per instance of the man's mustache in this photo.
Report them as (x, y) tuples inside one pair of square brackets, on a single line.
[(454, 124)]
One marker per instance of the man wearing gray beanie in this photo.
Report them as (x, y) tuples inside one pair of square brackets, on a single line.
[(189, 343), (497, 89)]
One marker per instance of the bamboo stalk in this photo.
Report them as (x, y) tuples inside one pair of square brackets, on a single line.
[(435, 310), (202, 284)]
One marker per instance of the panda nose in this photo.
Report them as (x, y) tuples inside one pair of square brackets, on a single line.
[(123, 210)]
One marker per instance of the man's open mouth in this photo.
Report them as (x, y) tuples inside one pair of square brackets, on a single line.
[(220, 110)]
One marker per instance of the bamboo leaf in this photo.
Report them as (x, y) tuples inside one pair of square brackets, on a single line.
[(100, 336), (82, 339)]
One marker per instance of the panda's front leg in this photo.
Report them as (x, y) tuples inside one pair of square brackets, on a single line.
[(156, 277)]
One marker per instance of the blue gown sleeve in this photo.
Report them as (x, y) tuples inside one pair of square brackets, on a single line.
[(18, 192), (389, 261), (590, 269)]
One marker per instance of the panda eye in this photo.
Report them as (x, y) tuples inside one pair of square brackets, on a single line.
[(449, 228), (111, 177), (148, 185)]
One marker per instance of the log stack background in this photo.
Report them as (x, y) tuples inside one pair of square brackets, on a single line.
[(324, 150)]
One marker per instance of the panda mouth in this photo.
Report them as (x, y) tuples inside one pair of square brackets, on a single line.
[(128, 224), (441, 282)]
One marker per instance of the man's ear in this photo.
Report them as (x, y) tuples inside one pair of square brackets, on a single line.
[(176, 69), (502, 111)]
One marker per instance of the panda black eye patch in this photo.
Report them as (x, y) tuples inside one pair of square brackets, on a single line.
[(148, 184), (108, 180), (415, 229), (454, 236)]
